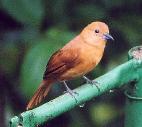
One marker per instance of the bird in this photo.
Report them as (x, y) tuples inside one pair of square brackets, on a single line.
[(77, 58)]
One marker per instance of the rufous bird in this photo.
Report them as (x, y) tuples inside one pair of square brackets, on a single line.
[(76, 58)]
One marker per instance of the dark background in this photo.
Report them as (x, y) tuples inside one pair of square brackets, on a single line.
[(31, 30)]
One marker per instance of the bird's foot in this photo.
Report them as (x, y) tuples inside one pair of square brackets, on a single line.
[(71, 92), (92, 82)]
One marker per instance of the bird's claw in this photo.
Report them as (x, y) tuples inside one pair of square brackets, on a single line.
[(71, 92), (92, 82)]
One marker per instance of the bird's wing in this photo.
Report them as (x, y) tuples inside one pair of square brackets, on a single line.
[(60, 62)]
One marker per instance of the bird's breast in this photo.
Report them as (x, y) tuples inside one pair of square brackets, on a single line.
[(92, 55), (89, 58)]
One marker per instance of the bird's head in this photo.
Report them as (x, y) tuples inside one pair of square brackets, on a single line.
[(96, 33)]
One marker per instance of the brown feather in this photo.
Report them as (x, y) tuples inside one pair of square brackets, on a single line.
[(60, 62), (40, 94)]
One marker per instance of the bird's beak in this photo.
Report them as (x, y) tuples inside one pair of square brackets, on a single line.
[(107, 36)]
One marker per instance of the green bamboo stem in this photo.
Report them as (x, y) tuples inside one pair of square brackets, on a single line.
[(119, 76)]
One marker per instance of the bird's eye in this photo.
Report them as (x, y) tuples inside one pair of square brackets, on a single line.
[(96, 31)]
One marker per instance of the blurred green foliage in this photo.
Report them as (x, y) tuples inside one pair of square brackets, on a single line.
[(109, 113), (30, 31), (25, 11)]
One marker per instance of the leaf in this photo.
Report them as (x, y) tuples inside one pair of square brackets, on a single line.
[(26, 11), (102, 113), (9, 54), (89, 13), (130, 30), (113, 4)]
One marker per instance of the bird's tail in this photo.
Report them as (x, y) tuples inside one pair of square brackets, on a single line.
[(40, 93)]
